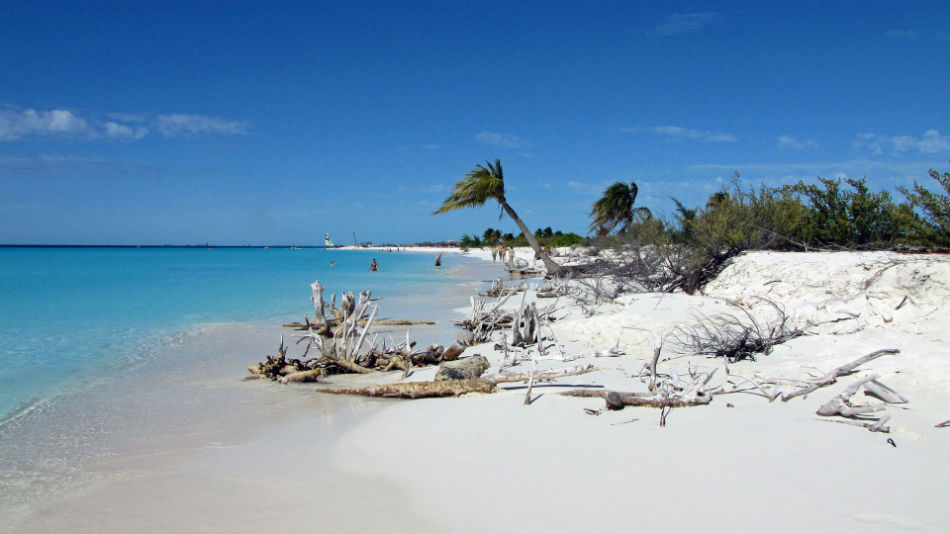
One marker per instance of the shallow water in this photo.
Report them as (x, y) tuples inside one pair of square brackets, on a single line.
[(68, 314), (127, 383)]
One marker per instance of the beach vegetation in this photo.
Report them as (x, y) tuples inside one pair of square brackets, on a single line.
[(736, 335), (846, 218), (933, 223), (491, 236), (546, 238), (486, 182), (690, 248), (615, 208)]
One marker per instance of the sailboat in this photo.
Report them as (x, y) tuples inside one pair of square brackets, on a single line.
[(327, 241)]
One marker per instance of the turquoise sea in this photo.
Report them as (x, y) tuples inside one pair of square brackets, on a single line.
[(112, 359), (69, 316)]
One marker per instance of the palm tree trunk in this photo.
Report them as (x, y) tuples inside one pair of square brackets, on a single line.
[(549, 264)]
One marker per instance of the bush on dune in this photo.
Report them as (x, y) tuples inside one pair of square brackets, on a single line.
[(828, 214)]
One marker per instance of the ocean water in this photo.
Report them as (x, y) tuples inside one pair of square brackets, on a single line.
[(73, 317), (116, 363)]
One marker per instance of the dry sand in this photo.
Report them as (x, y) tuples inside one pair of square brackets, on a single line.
[(491, 463)]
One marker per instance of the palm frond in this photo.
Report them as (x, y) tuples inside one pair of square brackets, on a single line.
[(475, 188), (614, 207)]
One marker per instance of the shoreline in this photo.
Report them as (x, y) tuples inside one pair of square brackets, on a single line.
[(737, 464), (93, 455)]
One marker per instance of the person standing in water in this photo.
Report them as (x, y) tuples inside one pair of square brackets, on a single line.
[(374, 266), (438, 260)]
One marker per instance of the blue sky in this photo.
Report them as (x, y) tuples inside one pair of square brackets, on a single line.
[(274, 123)]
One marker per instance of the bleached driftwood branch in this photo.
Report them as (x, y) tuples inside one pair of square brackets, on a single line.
[(666, 392), (832, 377), (841, 404)]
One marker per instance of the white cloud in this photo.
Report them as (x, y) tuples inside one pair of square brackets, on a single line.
[(64, 123), (678, 133), (931, 143), (121, 131), (14, 125), (680, 23), (182, 124), (787, 141), (502, 140)]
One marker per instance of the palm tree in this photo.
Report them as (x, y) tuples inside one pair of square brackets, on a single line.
[(615, 207), (485, 182)]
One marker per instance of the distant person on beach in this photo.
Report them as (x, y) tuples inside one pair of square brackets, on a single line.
[(438, 260), (501, 253), (494, 254), (374, 266)]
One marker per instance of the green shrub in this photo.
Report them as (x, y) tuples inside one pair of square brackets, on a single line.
[(847, 218), (933, 227)]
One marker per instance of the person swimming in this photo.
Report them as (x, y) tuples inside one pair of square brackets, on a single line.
[(374, 266)]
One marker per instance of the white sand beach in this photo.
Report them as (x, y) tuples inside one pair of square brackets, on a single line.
[(484, 463)]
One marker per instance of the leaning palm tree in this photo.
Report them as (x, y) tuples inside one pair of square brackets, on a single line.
[(615, 207), (485, 182)]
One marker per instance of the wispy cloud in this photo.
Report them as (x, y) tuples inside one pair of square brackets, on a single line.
[(128, 117), (930, 143), (121, 131), (587, 188), (679, 133), (502, 140), (57, 122), (131, 126), (680, 23), (434, 189), (789, 142), (181, 124), (901, 34), (783, 172)]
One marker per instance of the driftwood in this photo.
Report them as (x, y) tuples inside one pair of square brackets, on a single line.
[(666, 391), (879, 391), (498, 289), (466, 368), (307, 324), (340, 336), (419, 390), (453, 352), (453, 388), (832, 377), (540, 376), (616, 398), (841, 404)]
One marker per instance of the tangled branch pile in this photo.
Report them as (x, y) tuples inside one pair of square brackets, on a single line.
[(339, 342), (736, 336)]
